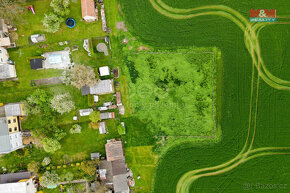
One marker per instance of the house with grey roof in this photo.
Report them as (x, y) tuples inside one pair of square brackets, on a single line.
[(85, 112), (7, 67), (103, 128), (107, 115), (101, 88), (10, 128), (22, 182), (113, 171)]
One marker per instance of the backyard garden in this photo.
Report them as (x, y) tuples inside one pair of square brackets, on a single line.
[(66, 142)]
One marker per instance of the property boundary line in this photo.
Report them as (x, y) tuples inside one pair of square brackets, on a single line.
[(213, 92)]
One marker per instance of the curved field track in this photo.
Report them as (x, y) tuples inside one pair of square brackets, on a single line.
[(246, 83)]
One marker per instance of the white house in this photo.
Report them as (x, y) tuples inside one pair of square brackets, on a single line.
[(21, 182), (7, 67)]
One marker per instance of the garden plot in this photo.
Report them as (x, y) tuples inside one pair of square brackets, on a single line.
[(174, 91)]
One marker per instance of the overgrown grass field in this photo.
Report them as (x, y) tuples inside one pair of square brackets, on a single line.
[(270, 123)]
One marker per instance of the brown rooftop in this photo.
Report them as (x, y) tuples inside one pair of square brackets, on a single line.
[(114, 150), (118, 98), (88, 8)]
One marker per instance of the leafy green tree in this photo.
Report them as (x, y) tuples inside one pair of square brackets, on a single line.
[(57, 132), (38, 103), (49, 179), (60, 7), (52, 22), (50, 145), (95, 116)]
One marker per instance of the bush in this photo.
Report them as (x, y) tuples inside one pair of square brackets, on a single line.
[(51, 22), (93, 125), (91, 101), (75, 129), (46, 161), (50, 145), (67, 176), (89, 167), (33, 167), (121, 129)]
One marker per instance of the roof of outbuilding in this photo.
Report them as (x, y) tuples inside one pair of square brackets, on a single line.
[(121, 184), (7, 71), (119, 167), (104, 71), (88, 8), (85, 90), (14, 177), (13, 109), (102, 87), (36, 63), (114, 150), (107, 115)]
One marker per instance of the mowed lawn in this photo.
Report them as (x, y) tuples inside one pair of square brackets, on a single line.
[(33, 24), (142, 162)]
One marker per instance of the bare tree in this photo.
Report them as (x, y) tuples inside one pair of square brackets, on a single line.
[(83, 76)]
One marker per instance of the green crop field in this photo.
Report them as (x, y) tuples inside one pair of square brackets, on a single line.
[(254, 100)]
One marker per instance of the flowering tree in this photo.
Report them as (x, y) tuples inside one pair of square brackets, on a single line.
[(62, 103), (83, 76), (66, 77), (46, 161), (49, 179), (51, 22)]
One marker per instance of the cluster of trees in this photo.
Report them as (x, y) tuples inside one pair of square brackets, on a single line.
[(173, 92), (52, 21), (44, 110)]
